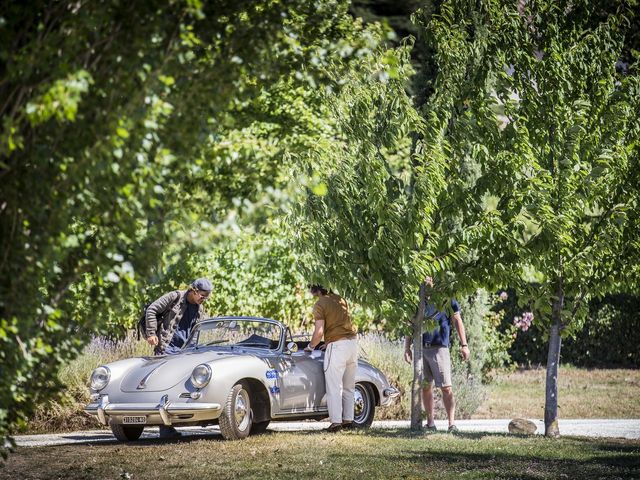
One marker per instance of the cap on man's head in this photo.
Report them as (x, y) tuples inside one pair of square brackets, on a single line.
[(201, 284)]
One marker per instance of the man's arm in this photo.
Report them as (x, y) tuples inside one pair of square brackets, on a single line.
[(318, 333), (408, 356), (318, 330), (462, 335), (158, 308)]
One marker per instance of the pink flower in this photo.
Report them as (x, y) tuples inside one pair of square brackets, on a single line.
[(524, 322), (503, 296)]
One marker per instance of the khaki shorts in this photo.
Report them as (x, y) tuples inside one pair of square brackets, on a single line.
[(436, 363)]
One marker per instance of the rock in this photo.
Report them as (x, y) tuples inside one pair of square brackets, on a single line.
[(522, 426)]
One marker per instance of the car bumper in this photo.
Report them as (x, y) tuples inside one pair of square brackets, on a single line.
[(388, 395), (162, 413)]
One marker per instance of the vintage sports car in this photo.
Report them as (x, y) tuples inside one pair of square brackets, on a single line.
[(238, 372)]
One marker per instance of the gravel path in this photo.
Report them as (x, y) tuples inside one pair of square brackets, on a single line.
[(588, 428)]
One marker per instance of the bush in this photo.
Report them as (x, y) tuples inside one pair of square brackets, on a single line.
[(609, 337), (67, 412), (482, 315), (488, 350), (388, 356)]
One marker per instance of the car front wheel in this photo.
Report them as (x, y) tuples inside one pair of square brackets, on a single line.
[(235, 420), (364, 406), (126, 433)]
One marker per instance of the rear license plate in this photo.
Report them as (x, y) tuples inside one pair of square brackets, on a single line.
[(136, 419)]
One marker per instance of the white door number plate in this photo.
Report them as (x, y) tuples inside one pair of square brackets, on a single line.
[(135, 420)]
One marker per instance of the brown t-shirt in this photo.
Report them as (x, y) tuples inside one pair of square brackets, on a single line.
[(333, 309)]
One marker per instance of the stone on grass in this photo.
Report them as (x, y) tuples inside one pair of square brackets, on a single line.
[(522, 426)]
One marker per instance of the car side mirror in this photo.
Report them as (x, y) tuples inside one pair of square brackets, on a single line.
[(292, 347)]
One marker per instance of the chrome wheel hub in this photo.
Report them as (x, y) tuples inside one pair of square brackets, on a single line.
[(241, 410), (361, 408)]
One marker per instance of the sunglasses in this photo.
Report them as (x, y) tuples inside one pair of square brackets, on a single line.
[(202, 295)]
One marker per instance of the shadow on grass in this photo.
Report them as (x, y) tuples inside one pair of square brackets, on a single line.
[(406, 433), (110, 440), (107, 438), (433, 462), (432, 453), (615, 444)]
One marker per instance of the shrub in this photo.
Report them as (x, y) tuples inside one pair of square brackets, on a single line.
[(609, 337), (67, 412), (388, 356), (482, 315)]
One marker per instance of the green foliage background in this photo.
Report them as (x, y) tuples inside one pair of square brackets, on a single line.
[(608, 339), (134, 136), (145, 144)]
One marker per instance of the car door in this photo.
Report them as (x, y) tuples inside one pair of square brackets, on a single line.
[(301, 380)]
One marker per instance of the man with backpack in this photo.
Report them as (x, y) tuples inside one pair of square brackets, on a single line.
[(169, 321)]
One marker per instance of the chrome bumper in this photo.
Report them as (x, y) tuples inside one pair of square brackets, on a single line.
[(165, 409), (391, 392)]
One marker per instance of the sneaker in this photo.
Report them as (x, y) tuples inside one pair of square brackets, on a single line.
[(348, 425), (169, 432), (334, 427), (431, 428), (453, 429)]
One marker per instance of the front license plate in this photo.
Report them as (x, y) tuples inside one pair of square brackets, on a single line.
[(136, 420)]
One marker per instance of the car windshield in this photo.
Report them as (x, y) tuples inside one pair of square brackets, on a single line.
[(236, 332)]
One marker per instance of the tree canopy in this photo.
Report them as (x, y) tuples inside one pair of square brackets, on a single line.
[(129, 133), (519, 170), (561, 161)]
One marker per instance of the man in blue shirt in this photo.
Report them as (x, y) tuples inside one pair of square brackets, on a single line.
[(436, 358)]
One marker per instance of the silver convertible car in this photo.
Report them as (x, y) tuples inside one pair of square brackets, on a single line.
[(237, 372)]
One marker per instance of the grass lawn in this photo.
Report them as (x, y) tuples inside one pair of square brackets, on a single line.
[(348, 455), (582, 393)]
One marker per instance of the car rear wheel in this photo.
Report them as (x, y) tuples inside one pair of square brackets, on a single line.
[(364, 406), (126, 433), (235, 420)]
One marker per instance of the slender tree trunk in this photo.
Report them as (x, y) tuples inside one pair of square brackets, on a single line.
[(416, 386), (551, 428)]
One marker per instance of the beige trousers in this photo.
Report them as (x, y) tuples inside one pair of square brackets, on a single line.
[(340, 363)]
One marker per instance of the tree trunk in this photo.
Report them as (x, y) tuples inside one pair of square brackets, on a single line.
[(551, 428), (416, 385)]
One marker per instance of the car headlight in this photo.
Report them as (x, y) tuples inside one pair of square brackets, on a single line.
[(201, 375), (100, 378)]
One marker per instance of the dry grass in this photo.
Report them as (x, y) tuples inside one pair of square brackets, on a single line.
[(582, 393), (304, 455)]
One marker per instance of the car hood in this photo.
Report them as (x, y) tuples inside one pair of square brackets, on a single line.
[(157, 374)]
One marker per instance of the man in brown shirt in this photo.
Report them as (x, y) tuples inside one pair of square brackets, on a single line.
[(333, 322)]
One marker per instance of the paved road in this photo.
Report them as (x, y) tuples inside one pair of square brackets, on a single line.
[(588, 428)]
